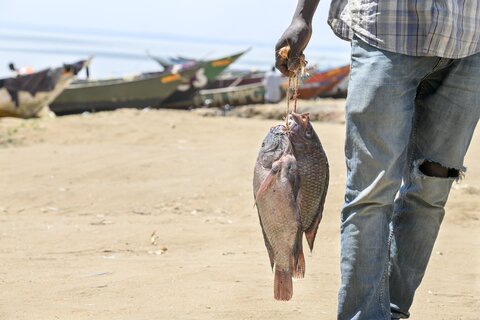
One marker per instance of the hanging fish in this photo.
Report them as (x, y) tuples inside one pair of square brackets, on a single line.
[(276, 188)]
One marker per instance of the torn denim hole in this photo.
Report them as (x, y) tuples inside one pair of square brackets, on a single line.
[(458, 176)]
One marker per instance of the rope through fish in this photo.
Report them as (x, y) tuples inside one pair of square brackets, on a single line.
[(293, 77)]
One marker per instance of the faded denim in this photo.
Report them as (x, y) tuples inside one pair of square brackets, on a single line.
[(401, 110)]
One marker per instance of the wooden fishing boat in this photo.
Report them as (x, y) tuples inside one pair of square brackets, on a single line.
[(322, 81), (238, 95), (236, 79), (235, 89), (144, 90), (24, 96), (182, 98), (338, 91)]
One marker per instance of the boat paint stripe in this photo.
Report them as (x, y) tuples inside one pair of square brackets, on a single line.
[(170, 78), (221, 63)]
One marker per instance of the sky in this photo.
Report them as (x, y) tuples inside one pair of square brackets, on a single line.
[(118, 33)]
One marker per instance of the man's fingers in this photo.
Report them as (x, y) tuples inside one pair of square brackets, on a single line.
[(280, 62), (282, 65), (291, 63), (295, 60)]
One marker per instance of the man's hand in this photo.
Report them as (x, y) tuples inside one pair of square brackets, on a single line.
[(296, 36)]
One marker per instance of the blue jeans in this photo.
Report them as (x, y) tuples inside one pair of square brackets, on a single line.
[(401, 111)]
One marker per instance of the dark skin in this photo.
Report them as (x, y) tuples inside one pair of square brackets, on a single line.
[(297, 36), (434, 169)]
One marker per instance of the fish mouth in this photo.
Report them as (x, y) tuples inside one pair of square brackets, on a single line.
[(297, 118), (297, 122)]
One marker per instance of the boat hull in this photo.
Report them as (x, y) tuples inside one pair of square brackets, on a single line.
[(138, 92), (29, 105), (183, 97), (322, 82), (232, 96)]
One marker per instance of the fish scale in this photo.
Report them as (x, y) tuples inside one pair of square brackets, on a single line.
[(312, 179)]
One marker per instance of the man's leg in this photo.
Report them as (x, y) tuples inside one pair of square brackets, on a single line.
[(379, 112), (447, 112)]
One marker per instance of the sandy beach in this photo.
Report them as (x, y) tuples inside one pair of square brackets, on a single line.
[(149, 214)]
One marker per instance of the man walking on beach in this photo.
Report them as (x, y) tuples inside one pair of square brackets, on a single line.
[(272, 83), (412, 107)]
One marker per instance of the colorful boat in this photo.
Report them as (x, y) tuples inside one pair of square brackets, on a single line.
[(338, 91), (322, 81), (234, 96), (183, 97), (145, 90), (24, 96), (235, 79), (235, 89)]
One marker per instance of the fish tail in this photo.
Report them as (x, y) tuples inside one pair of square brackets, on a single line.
[(282, 286)]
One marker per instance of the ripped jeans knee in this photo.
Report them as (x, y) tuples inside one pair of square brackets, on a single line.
[(430, 168), (434, 169)]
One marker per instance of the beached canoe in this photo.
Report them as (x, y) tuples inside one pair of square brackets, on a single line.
[(236, 79), (182, 98), (233, 96), (338, 91), (24, 96), (322, 81), (145, 90)]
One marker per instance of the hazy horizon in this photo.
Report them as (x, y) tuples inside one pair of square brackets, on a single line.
[(48, 33)]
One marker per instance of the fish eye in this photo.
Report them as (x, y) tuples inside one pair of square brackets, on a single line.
[(308, 133), (263, 144)]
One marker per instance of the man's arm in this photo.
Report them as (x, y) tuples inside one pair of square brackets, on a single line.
[(296, 36)]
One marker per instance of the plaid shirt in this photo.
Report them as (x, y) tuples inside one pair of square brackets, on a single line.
[(442, 28)]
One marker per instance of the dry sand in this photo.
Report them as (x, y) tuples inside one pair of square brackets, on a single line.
[(81, 197)]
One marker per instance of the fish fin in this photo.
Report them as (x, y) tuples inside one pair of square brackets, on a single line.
[(311, 233), (282, 285), (294, 177), (264, 186), (299, 268), (298, 201), (267, 182), (299, 271)]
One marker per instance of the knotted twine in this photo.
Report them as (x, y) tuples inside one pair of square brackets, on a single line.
[(293, 79)]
